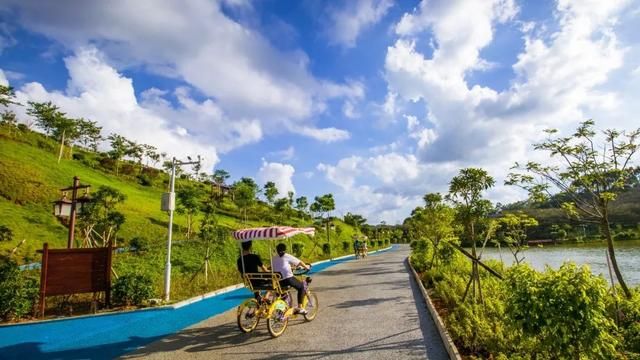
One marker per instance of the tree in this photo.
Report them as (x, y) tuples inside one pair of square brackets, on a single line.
[(591, 176), (118, 148), (290, 195), (7, 96), (244, 196), (189, 204), (324, 204), (270, 191), (220, 176), (89, 133), (302, 204), (355, 220), (54, 123), (99, 220), (135, 151), (465, 191), (435, 222), (513, 232)]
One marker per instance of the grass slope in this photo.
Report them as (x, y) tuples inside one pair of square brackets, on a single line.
[(30, 179)]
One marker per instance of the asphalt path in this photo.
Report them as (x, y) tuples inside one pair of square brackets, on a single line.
[(369, 309)]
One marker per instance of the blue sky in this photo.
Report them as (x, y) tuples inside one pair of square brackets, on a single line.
[(378, 102)]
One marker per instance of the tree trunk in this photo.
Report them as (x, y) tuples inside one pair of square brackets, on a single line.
[(188, 226), (61, 147), (612, 256)]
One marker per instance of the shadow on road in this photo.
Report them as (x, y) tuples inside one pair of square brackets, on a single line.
[(372, 347), (206, 339)]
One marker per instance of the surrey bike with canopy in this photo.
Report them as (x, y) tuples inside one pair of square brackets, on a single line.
[(275, 302)]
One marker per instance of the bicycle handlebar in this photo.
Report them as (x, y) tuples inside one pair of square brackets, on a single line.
[(301, 271)]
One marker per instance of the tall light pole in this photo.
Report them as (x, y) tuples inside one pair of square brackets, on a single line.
[(169, 204)]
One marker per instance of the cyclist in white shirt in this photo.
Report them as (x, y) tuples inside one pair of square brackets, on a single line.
[(282, 263)]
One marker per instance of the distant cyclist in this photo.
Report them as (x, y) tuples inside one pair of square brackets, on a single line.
[(282, 263)]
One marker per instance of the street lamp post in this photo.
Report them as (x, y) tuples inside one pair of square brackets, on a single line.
[(69, 208), (169, 204)]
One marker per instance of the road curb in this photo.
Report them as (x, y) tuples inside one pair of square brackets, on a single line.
[(452, 350)]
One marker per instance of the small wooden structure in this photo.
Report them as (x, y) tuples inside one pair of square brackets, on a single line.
[(75, 271)]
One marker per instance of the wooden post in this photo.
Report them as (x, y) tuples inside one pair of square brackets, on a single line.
[(107, 292), (43, 277), (72, 217)]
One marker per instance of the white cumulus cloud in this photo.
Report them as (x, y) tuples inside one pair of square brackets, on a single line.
[(280, 174)]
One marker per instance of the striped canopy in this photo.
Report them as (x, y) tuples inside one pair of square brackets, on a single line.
[(273, 232)]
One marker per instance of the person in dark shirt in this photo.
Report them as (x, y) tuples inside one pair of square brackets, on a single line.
[(252, 262)]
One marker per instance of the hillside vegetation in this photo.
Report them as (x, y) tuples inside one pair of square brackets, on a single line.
[(30, 179)]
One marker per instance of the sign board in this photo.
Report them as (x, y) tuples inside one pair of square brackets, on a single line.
[(75, 271)]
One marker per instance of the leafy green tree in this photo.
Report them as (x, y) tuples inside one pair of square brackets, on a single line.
[(465, 191), (270, 191), (7, 96), (118, 149), (435, 222), (244, 196), (513, 232), (282, 207), (324, 204), (99, 220), (188, 203), (591, 177), (135, 151), (290, 195), (54, 123), (301, 204), (355, 220), (89, 133), (151, 152), (220, 176)]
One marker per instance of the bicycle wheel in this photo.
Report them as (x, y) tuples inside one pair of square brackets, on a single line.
[(312, 306), (248, 316), (277, 320)]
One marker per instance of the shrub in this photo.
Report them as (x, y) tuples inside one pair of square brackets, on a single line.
[(127, 169), (144, 180), (78, 156), (18, 293), (5, 233), (297, 249), (629, 322), (380, 243), (139, 244), (564, 309), (132, 289), (326, 249), (346, 246), (107, 163)]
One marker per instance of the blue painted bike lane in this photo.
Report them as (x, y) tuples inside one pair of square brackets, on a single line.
[(111, 335)]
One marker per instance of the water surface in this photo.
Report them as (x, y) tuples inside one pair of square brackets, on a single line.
[(592, 254)]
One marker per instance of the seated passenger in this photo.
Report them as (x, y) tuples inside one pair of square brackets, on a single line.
[(282, 263), (252, 262)]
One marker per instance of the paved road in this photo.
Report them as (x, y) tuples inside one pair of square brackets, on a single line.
[(369, 309)]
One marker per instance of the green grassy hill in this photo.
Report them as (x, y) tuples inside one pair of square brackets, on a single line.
[(30, 179)]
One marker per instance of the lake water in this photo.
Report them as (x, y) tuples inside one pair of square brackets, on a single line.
[(592, 254)]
